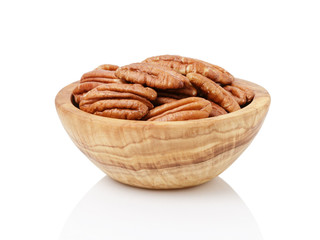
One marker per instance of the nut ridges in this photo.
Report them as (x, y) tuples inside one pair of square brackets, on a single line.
[(186, 65), (213, 92), (126, 101), (103, 74), (152, 75), (183, 109)]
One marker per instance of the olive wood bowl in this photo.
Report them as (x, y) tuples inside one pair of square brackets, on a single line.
[(163, 155)]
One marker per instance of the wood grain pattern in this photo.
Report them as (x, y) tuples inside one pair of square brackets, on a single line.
[(163, 155)]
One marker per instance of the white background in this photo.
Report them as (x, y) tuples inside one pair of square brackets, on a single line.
[(46, 45)]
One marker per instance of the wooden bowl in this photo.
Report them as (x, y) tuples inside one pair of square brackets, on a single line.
[(163, 155)]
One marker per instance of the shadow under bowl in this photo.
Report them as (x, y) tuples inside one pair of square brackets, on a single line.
[(163, 155)]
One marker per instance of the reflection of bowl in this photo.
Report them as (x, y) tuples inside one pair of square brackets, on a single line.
[(163, 155), (115, 211)]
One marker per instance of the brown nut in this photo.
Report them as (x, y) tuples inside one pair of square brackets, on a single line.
[(213, 92), (137, 89), (95, 78), (237, 94), (116, 108), (100, 75), (216, 110), (188, 91), (171, 95), (82, 88), (242, 94), (152, 75), (163, 100), (109, 67), (120, 91), (186, 65), (87, 84), (126, 101), (248, 92), (183, 109)]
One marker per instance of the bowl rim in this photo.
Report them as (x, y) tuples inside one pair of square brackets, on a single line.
[(63, 102)]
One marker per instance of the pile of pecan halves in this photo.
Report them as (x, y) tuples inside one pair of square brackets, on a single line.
[(161, 88)]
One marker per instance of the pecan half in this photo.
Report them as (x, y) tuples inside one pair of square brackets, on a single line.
[(120, 91), (188, 91), (152, 75), (110, 67), (183, 109), (170, 95), (95, 78), (248, 92), (213, 92), (163, 100), (237, 94), (216, 110), (126, 101), (137, 89), (82, 88), (117, 108), (242, 94), (186, 65), (100, 75)]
